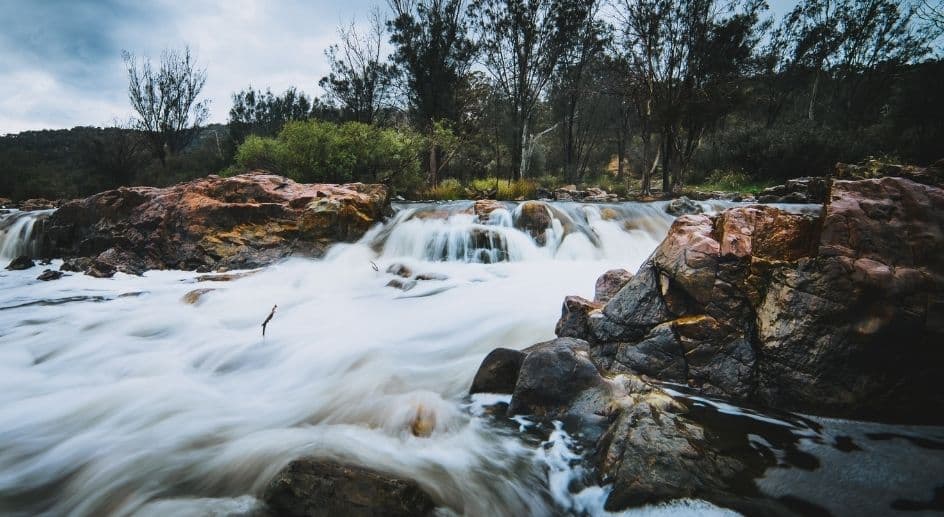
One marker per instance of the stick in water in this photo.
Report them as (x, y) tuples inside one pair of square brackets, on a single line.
[(267, 320), (374, 266)]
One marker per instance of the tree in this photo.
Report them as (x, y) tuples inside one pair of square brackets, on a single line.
[(688, 56), (360, 81), (115, 154), (434, 52), (932, 12), (264, 114), (169, 113), (522, 42)]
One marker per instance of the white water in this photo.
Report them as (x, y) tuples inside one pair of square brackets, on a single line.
[(142, 404), (17, 232)]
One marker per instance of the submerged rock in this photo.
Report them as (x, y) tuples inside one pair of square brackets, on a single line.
[(194, 296), (20, 263), (534, 218), (309, 487), (239, 222), (49, 274)]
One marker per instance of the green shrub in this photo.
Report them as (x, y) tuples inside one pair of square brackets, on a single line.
[(448, 189), (317, 151)]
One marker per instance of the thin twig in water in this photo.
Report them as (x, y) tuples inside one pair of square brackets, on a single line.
[(374, 265), (268, 319)]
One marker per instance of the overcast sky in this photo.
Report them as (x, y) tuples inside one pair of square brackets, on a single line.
[(60, 60)]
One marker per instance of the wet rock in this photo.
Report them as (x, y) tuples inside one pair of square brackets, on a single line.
[(311, 487), (650, 454), (484, 207), (225, 277), (400, 270), (238, 222), (49, 274), (402, 284), (193, 297), (534, 218), (827, 315), (609, 283), (76, 264), (20, 263), (681, 206), (432, 276), (100, 270), (498, 372), (575, 317), (553, 375), (6, 202)]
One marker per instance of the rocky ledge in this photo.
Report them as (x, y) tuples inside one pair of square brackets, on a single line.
[(211, 223), (838, 315)]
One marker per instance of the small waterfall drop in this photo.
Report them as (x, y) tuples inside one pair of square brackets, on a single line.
[(18, 233)]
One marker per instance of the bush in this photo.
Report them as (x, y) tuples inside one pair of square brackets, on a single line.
[(448, 189), (316, 151)]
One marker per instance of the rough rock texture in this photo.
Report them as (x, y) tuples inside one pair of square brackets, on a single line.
[(553, 375), (484, 207), (238, 222), (609, 283), (50, 274), (931, 175), (310, 487), (575, 317), (20, 263), (683, 205), (498, 372), (534, 218), (840, 315), (799, 190)]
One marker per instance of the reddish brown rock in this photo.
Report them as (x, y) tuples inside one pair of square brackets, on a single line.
[(609, 283), (243, 221), (484, 207), (534, 218)]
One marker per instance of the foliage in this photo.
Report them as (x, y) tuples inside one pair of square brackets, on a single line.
[(319, 151), (258, 113), (169, 114)]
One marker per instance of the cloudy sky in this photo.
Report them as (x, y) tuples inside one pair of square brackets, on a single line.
[(60, 60)]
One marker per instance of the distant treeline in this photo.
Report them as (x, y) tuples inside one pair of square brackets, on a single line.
[(635, 93)]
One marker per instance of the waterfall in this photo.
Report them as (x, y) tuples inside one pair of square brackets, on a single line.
[(18, 235)]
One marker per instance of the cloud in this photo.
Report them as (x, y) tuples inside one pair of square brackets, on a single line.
[(62, 64)]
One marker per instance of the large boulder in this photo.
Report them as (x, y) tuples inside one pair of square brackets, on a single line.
[(238, 222), (534, 218), (498, 372), (309, 487), (609, 283), (839, 314)]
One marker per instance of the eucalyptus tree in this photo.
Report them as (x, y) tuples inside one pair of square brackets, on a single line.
[(434, 53), (255, 112), (521, 43), (360, 81), (166, 100)]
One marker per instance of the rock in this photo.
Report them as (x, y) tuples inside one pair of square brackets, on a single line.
[(6, 202), (553, 375), (609, 283), (243, 221), (799, 190), (682, 206), (872, 169), (100, 270), (829, 315), (30, 205), (20, 263), (76, 264), (193, 297), (432, 276), (498, 372), (400, 270), (484, 207), (575, 317), (534, 218), (225, 277), (49, 274), (403, 285), (310, 487), (651, 455)]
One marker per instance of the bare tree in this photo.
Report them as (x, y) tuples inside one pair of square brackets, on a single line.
[(360, 81), (932, 11), (169, 113), (522, 42)]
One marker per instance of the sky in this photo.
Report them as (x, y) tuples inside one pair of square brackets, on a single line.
[(60, 60)]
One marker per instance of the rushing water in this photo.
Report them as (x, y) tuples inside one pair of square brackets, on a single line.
[(116, 397)]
